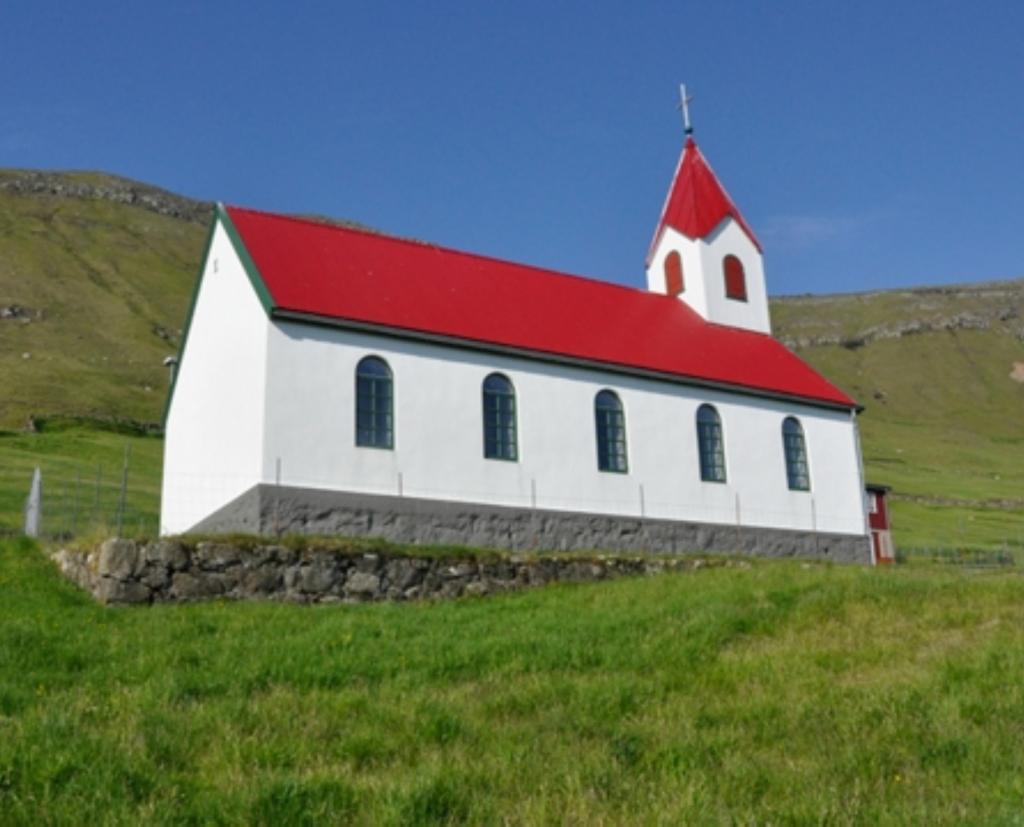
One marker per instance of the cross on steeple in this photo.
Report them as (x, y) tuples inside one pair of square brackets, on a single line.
[(684, 105)]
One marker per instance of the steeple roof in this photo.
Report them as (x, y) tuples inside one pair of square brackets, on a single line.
[(697, 202)]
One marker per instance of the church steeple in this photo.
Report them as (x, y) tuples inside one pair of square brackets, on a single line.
[(697, 202), (703, 251)]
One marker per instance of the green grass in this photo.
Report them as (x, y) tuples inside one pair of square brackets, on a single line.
[(779, 693)]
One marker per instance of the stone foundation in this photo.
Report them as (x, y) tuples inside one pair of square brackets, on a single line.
[(273, 511), (126, 571)]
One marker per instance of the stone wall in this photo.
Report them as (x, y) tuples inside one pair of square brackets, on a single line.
[(269, 510), (126, 571)]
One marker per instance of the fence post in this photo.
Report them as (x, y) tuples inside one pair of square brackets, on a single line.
[(814, 525), (96, 496), (124, 488), (277, 497), (74, 510), (739, 523), (66, 516), (33, 505), (643, 505)]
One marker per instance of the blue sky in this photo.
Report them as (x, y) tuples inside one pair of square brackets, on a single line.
[(869, 144)]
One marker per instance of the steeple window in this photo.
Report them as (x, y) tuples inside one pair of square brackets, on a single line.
[(674, 274), (735, 279)]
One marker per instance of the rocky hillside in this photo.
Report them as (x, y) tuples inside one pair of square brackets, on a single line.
[(86, 186), (855, 320)]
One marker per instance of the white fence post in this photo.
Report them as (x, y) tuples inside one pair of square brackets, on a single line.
[(739, 524), (814, 525), (33, 505)]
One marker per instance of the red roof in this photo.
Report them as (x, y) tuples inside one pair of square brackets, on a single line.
[(316, 269), (697, 202)]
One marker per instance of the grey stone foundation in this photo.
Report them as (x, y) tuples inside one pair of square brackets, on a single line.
[(126, 571), (272, 511)]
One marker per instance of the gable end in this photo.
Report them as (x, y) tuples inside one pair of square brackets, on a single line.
[(221, 218)]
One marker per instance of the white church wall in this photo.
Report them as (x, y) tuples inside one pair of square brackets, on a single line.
[(438, 447), (704, 278), (213, 436)]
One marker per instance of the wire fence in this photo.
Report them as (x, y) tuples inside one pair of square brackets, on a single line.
[(111, 499), (963, 556), (84, 500)]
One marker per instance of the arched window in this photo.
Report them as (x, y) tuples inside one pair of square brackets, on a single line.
[(710, 444), (674, 274), (375, 420), (611, 432), (797, 472), (735, 279), (499, 418)]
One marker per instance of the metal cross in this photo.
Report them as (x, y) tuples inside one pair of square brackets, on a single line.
[(684, 105)]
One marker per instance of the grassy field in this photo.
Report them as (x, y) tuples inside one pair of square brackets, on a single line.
[(778, 693)]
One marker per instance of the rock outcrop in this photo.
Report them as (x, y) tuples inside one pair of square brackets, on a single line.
[(922, 310), (97, 187)]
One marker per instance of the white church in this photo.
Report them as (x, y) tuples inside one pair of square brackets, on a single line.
[(338, 381)]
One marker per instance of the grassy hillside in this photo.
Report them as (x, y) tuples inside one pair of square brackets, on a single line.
[(95, 280), (777, 693), (96, 272)]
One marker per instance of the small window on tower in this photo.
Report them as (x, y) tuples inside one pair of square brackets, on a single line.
[(673, 274), (735, 279)]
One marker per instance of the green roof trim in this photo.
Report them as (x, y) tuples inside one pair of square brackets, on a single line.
[(251, 270), (220, 216)]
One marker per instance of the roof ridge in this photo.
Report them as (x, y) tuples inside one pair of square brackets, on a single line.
[(439, 247)]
